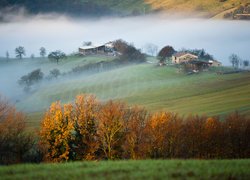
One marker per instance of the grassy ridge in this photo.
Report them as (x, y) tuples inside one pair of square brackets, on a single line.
[(152, 87), (149, 169), (156, 88)]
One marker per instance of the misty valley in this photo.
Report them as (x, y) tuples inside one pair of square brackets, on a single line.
[(142, 87)]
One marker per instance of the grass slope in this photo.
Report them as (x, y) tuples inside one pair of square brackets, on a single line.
[(148, 169), (156, 88)]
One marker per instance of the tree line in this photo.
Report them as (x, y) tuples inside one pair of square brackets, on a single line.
[(88, 129)]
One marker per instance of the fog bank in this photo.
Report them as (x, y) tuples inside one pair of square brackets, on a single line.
[(218, 37)]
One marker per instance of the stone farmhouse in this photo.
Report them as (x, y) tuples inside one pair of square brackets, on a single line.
[(183, 57), (193, 62)]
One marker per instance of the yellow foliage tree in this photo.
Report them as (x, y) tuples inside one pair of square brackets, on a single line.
[(57, 132), (86, 142), (111, 120), (163, 131), (135, 133)]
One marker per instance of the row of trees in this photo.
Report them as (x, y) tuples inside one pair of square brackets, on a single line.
[(36, 76), (237, 62), (88, 129), (55, 55), (20, 52)]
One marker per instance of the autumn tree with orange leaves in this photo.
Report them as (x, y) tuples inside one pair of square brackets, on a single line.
[(135, 130), (164, 135), (88, 130), (86, 143), (111, 132), (15, 142), (57, 132)]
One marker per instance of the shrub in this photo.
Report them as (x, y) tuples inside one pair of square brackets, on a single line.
[(16, 143)]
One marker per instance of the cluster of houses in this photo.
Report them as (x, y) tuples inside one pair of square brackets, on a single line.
[(190, 60)]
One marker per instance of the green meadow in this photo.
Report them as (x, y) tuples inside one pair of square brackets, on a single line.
[(148, 85), (147, 169)]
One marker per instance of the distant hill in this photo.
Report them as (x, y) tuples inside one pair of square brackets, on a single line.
[(79, 7), (93, 8), (207, 8)]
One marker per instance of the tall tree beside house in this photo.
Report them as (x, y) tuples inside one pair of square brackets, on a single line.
[(42, 52), (128, 52), (56, 56), (165, 53), (20, 52)]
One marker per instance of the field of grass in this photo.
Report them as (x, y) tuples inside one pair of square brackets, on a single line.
[(147, 169), (155, 88)]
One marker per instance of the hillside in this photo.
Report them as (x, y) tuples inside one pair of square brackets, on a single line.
[(207, 8), (91, 8), (153, 87), (149, 169), (156, 88), (95, 8)]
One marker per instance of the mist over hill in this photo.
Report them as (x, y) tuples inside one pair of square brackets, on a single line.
[(93, 8), (100, 8)]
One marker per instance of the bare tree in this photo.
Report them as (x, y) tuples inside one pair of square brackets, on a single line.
[(234, 60), (56, 55), (151, 49), (7, 55), (87, 43), (20, 52), (42, 52)]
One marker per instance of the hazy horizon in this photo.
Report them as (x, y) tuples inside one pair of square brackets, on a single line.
[(218, 37)]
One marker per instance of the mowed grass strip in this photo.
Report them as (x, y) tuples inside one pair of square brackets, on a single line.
[(141, 169)]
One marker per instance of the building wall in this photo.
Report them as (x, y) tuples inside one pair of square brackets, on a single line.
[(184, 58), (216, 64)]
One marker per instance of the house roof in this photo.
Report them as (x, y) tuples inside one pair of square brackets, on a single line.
[(179, 54), (212, 61), (92, 46)]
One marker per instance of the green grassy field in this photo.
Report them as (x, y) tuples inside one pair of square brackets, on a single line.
[(155, 88), (147, 169)]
